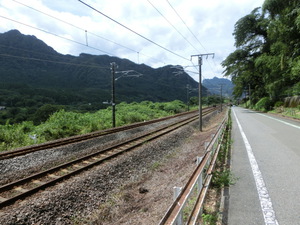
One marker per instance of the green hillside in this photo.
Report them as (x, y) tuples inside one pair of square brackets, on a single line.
[(33, 75)]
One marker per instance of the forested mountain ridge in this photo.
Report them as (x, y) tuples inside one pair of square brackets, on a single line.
[(267, 56), (216, 85), (33, 74)]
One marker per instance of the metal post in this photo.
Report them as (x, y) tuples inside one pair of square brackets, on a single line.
[(200, 93), (200, 86), (221, 99), (113, 100), (188, 97), (200, 179), (177, 191)]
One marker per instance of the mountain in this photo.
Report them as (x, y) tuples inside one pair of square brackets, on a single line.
[(214, 86), (33, 73)]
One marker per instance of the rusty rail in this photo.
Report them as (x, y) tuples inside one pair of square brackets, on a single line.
[(40, 181), (78, 138)]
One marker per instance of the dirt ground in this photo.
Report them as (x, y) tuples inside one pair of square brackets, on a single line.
[(146, 199)]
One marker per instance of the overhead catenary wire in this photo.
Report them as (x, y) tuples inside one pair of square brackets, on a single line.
[(186, 25), (191, 33), (173, 26), (68, 39), (51, 61), (140, 35), (56, 35), (58, 57), (88, 32)]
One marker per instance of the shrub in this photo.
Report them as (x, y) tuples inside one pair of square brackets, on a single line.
[(263, 104), (278, 104)]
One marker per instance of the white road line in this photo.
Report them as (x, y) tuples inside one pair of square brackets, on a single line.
[(264, 198), (286, 123)]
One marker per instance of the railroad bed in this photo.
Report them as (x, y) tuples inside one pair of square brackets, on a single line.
[(19, 189), (80, 195)]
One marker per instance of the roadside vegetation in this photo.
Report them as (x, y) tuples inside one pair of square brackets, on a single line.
[(222, 178), (265, 67), (289, 107)]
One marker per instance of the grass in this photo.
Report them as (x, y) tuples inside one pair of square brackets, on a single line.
[(289, 112), (209, 219)]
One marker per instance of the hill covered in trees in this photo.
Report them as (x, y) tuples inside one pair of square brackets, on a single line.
[(215, 84), (267, 56), (33, 74)]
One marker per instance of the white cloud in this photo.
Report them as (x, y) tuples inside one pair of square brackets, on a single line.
[(211, 21)]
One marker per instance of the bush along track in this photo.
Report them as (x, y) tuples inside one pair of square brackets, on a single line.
[(215, 205)]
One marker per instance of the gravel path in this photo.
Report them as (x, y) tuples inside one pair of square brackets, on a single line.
[(99, 195)]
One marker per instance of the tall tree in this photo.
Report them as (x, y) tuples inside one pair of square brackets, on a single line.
[(250, 35), (268, 51)]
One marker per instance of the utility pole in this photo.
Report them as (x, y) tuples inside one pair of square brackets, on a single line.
[(200, 85), (188, 97), (113, 99), (221, 98), (113, 90)]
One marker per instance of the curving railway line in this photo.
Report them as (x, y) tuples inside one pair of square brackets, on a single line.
[(19, 189)]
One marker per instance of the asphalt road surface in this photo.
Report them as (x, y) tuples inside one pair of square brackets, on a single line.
[(265, 159)]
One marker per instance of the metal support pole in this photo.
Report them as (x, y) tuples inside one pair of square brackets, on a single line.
[(221, 98), (200, 93), (113, 99), (188, 97), (200, 86)]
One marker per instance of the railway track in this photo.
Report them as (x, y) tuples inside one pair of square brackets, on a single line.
[(25, 187), (75, 139)]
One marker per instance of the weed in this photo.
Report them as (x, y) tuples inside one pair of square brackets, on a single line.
[(155, 165), (223, 179), (209, 219)]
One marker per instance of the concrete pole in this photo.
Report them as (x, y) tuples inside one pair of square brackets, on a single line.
[(113, 98)]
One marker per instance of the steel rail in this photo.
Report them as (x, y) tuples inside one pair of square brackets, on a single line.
[(78, 138), (89, 161)]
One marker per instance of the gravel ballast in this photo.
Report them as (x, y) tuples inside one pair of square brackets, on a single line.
[(99, 195)]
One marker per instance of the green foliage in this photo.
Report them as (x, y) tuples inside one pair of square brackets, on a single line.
[(222, 179), (267, 58), (209, 219), (63, 123), (263, 104), (278, 104), (212, 100), (44, 112), (78, 83)]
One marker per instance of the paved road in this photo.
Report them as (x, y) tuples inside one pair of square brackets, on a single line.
[(266, 160)]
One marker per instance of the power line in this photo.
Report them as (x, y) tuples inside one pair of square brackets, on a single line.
[(59, 57), (191, 33), (86, 32), (51, 61), (56, 35), (186, 25), (172, 25), (149, 40)]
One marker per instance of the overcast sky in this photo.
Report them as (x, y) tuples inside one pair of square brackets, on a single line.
[(203, 26)]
